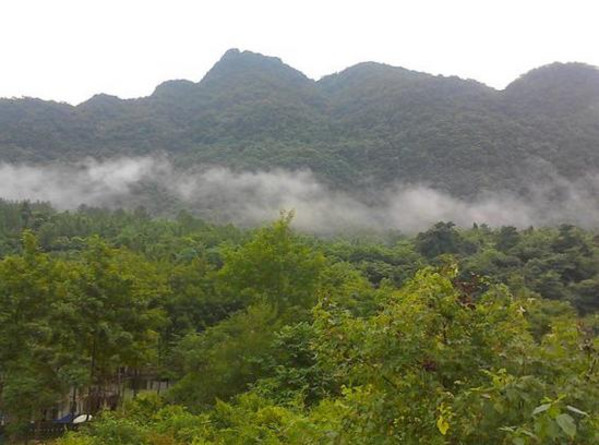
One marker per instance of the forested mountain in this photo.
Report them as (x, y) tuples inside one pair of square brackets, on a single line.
[(371, 124), (181, 330)]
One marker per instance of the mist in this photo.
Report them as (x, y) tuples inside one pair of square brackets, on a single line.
[(254, 197)]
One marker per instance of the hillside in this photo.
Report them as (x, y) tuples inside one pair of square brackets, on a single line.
[(369, 125)]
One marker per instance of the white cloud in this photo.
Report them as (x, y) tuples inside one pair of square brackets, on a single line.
[(250, 198)]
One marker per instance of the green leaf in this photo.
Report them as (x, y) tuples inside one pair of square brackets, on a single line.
[(566, 423), (442, 425), (541, 408), (576, 410)]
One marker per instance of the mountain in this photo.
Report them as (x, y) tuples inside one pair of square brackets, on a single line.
[(368, 126), (559, 89)]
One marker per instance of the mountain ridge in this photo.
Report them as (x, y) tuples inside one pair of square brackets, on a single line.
[(371, 123), (234, 55)]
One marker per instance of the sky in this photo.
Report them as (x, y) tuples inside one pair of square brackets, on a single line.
[(69, 50)]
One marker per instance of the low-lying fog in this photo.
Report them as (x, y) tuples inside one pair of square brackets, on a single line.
[(254, 197)]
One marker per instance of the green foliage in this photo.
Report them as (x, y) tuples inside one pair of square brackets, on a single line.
[(267, 336), (275, 267), (430, 365), (443, 238), (226, 358)]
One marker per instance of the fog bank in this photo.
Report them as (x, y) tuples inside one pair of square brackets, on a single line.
[(249, 198)]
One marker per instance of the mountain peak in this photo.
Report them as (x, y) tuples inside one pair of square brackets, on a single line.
[(233, 52), (558, 73), (556, 88), (100, 100), (367, 72), (236, 65), (173, 88)]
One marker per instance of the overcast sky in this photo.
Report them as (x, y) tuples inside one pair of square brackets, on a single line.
[(69, 50)]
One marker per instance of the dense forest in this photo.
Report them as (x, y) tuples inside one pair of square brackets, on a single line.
[(367, 126), (185, 329), (267, 335)]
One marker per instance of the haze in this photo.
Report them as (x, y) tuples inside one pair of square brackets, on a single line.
[(250, 198), (68, 50)]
